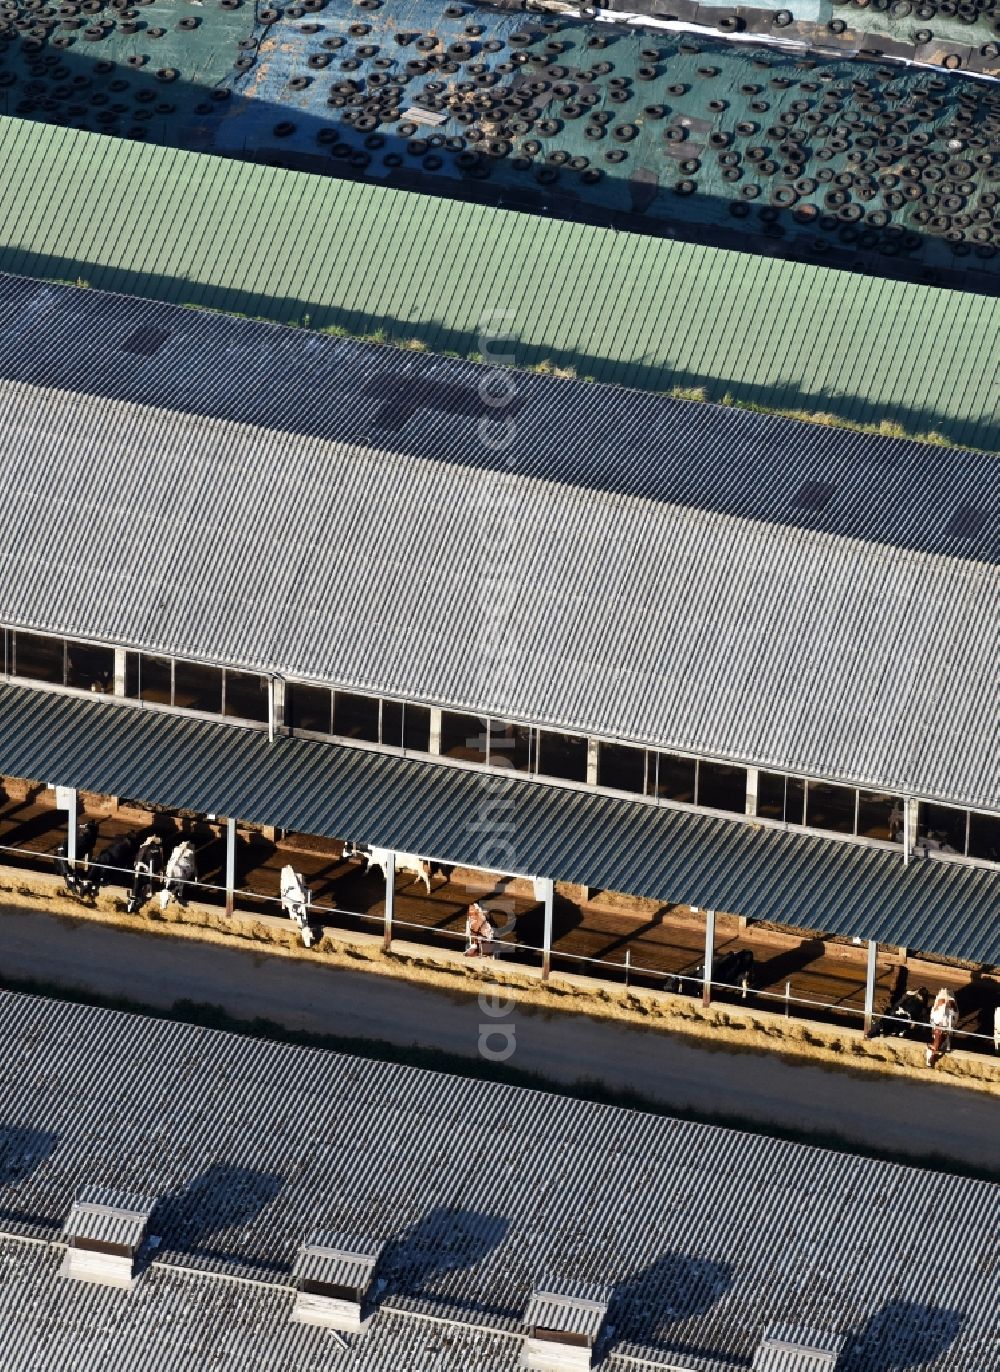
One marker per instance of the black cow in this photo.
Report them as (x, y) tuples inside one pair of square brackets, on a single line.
[(733, 969), (110, 865)]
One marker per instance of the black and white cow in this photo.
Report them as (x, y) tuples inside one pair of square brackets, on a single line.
[(907, 1017), (147, 870), (181, 871), (86, 837), (110, 865), (295, 898)]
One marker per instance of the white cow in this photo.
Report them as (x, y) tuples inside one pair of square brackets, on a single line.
[(419, 868), (181, 871), (295, 898)]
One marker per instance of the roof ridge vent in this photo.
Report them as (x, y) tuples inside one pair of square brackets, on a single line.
[(563, 1322), (789, 1348), (105, 1230), (333, 1274)]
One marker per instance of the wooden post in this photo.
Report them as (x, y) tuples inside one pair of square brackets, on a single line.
[(870, 985), (390, 900), (706, 987), (230, 865)]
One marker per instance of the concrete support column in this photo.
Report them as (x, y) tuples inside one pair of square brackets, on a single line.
[(72, 811), (545, 891), (911, 818), (870, 984), (275, 706), (753, 777), (119, 678), (706, 989), (390, 900), (230, 865), (592, 753), (435, 743)]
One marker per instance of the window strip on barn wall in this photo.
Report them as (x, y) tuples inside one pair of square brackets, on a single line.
[(231, 693)]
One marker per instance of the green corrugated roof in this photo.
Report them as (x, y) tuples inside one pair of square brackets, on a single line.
[(199, 230)]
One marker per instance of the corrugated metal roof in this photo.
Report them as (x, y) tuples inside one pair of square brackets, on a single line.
[(708, 1236), (619, 307), (793, 1349), (784, 1358), (337, 1260), (109, 1215), (282, 502), (182, 1321), (558, 1306), (571, 835)]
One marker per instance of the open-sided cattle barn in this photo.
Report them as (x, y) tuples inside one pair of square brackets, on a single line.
[(788, 630)]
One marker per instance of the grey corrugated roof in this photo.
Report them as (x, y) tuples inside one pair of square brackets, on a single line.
[(337, 1259), (569, 834), (183, 1322), (793, 1349), (556, 1307), (708, 1236), (110, 1215), (783, 1358), (630, 566)]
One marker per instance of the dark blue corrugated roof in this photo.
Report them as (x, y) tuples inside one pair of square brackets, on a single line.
[(829, 885)]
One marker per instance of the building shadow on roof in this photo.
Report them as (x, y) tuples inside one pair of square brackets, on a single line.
[(905, 1334), (434, 334), (220, 1200), (22, 1151), (764, 469), (445, 1239), (646, 1309)]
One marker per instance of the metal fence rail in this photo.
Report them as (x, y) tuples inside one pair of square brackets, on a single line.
[(505, 945)]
